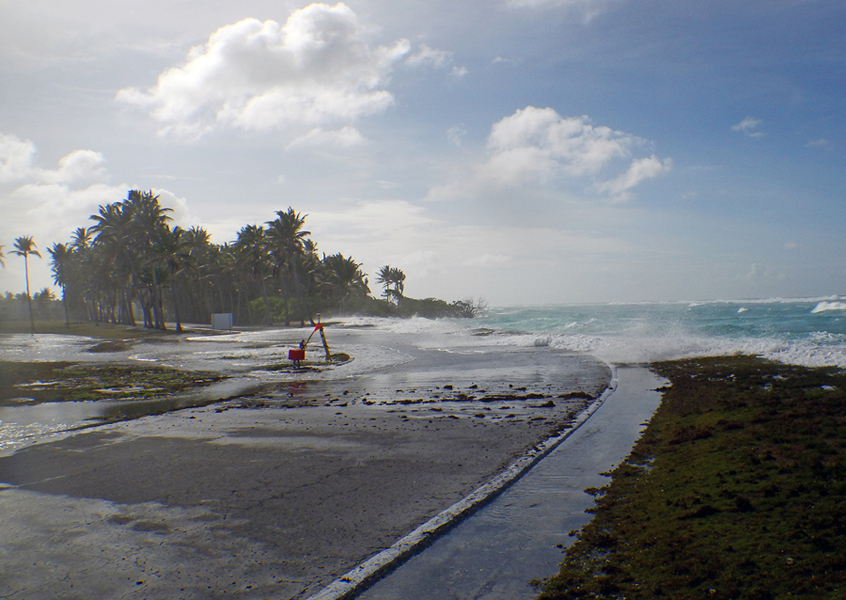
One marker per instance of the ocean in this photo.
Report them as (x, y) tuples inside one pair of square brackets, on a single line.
[(806, 331)]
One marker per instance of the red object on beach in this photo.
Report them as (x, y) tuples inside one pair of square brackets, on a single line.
[(296, 354)]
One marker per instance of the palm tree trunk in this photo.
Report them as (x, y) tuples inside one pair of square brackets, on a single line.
[(266, 303), (175, 306), (65, 305), (28, 295)]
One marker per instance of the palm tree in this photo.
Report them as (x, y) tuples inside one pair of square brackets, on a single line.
[(115, 259), (125, 233), (343, 277), (389, 276), (171, 251), (251, 249), (286, 238), (196, 289), (81, 238), (61, 256), (2, 256), (24, 246)]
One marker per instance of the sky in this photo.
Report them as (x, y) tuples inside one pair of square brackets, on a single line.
[(518, 151)]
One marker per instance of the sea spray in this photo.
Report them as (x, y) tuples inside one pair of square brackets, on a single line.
[(808, 332)]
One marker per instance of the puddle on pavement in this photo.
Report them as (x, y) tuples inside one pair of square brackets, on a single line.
[(376, 375), (27, 424)]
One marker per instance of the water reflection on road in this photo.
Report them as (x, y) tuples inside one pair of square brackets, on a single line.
[(385, 367), (520, 536)]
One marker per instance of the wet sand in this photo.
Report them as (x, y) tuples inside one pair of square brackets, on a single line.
[(277, 494)]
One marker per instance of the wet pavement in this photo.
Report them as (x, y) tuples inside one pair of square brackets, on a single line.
[(277, 493), (520, 536)]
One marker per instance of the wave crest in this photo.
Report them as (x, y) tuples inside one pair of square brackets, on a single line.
[(827, 306)]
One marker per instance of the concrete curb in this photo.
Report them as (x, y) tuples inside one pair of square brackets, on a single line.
[(357, 579)]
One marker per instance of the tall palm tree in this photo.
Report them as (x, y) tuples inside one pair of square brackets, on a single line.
[(394, 281), (251, 249), (196, 289), (171, 252), (115, 258), (2, 256), (60, 257), (286, 238), (24, 246), (343, 278), (125, 232)]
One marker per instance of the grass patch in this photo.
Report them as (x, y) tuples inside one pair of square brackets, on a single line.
[(737, 489), (38, 382)]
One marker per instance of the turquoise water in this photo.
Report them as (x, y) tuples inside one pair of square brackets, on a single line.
[(798, 331)]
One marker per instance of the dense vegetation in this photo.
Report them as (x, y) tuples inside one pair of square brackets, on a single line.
[(735, 490), (132, 265)]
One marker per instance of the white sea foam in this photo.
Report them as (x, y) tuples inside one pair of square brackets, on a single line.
[(809, 331), (647, 349), (826, 306)]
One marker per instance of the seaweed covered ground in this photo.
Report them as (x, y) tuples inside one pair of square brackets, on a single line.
[(737, 489), (38, 382)]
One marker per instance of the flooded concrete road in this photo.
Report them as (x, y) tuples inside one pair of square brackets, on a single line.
[(277, 494), (520, 536)]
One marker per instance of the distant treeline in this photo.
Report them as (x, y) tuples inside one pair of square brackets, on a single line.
[(132, 266)]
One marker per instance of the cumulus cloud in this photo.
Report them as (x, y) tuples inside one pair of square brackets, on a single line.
[(429, 57), (316, 72), (49, 203), (538, 146), (15, 158), (435, 59), (640, 170), (749, 127), (17, 164)]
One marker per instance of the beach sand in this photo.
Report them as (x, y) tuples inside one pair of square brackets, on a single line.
[(276, 494)]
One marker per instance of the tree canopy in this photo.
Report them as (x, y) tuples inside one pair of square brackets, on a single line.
[(132, 265)]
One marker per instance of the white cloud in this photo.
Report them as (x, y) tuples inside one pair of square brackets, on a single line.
[(538, 146), (749, 127), (77, 167), (585, 9), (640, 170), (429, 57), (820, 143), (15, 158), (539, 141), (49, 204), (456, 134), (458, 72), (16, 164), (435, 59), (345, 137), (318, 71)]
